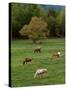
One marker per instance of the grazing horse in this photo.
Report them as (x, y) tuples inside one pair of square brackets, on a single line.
[(27, 60), (40, 72), (56, 55), (38, 49)]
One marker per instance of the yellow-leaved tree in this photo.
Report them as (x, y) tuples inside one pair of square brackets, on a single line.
[(36, 29)]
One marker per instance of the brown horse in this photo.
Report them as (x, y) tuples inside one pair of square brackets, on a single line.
[(56, 55), (38, 50), (27, 60)]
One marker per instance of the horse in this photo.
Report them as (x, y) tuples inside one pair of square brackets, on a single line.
[(38, 50), (40, 72), (27, 60), (56, 55)]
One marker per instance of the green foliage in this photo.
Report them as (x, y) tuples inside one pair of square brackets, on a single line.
[(56, 21), (60, 23), (21, 14), (36, 29)]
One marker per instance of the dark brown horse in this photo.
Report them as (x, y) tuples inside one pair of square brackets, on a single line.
[(38, 50), (27, 60)]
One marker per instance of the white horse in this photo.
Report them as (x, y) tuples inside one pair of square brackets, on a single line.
[(40, 72)]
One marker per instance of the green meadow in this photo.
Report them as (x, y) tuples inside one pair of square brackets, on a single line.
[(23, 75)]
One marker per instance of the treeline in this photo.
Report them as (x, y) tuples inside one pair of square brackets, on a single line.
[(21, 14)]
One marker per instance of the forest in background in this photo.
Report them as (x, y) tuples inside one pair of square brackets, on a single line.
[(52, 15)]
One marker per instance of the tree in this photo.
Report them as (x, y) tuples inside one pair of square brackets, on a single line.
[(60, 23), (49, 16), (35, 30), (55, 18), (21, 14)]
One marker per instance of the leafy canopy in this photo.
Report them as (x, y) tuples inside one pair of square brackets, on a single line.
[(36, 29)]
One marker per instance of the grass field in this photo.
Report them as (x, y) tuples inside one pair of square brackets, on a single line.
[(23, 75)]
